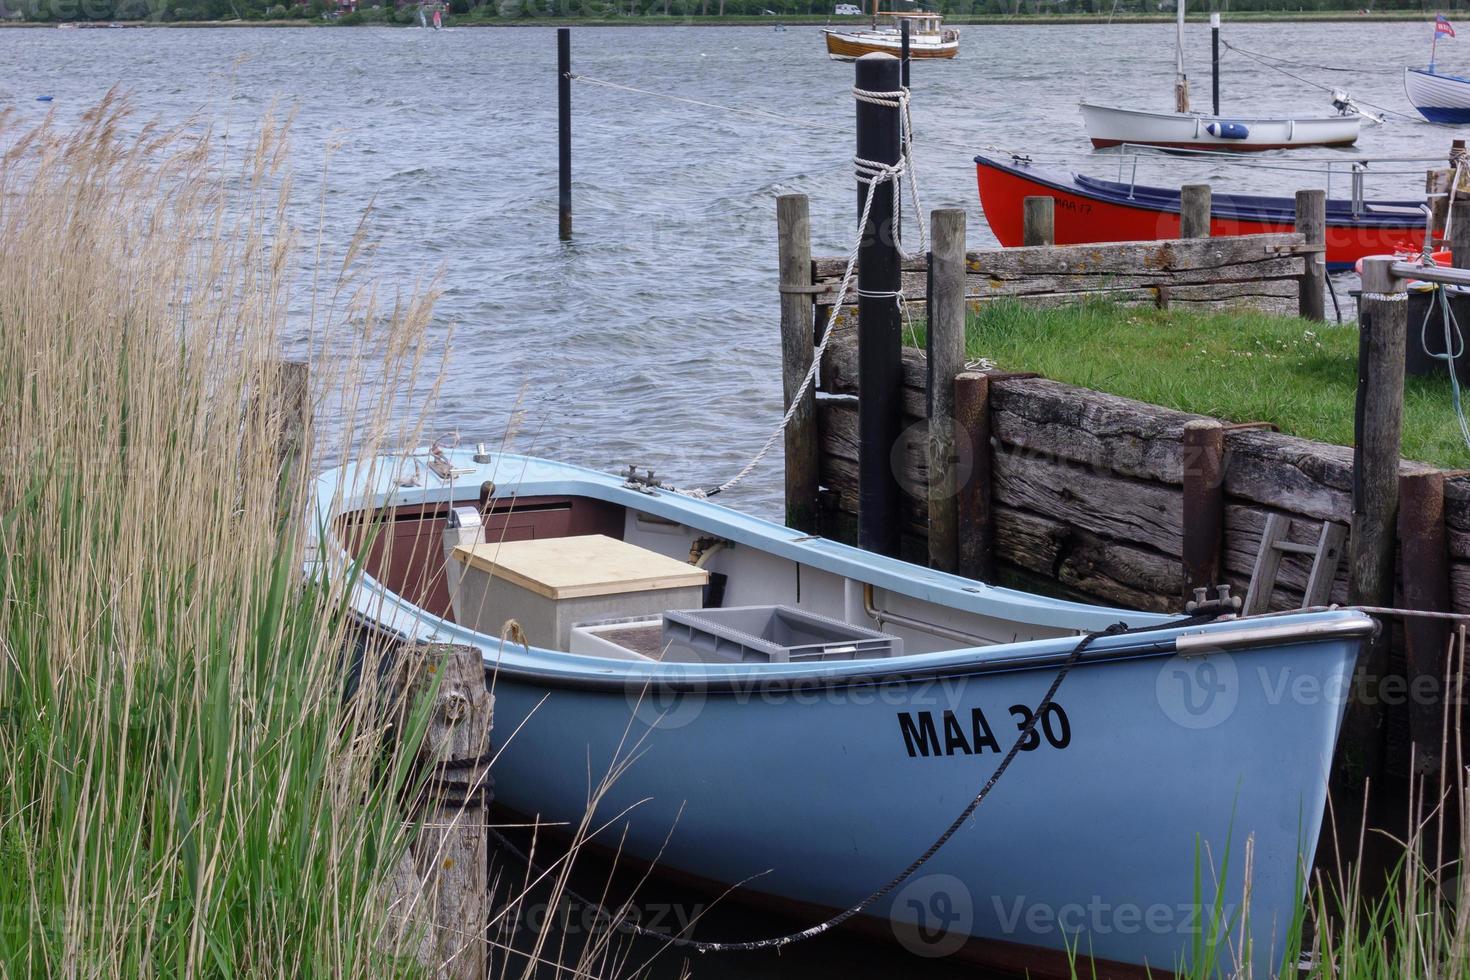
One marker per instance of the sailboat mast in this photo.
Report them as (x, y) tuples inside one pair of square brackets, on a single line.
[(1181, 81)]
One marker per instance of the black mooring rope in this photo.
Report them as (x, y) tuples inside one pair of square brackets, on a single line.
[(878, 894)]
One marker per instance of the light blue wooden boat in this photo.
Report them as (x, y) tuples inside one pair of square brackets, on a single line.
[(814, 782)]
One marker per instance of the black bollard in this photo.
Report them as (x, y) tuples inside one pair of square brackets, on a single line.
[(880, 366), (564, 130)]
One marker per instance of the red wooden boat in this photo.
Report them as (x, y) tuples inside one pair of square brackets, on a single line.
[(1093, 210)]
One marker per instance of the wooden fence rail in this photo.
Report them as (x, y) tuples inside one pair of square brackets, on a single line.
[(1260, 271)]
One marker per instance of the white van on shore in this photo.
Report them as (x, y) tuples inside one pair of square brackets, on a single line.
[(847, 10)]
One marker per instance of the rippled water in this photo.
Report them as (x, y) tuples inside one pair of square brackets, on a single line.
[(653, 336)]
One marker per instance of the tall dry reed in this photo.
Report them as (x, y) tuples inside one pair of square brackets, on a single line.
[(183, 790)]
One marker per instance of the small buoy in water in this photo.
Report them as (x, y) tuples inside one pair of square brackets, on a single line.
[(43, 98)]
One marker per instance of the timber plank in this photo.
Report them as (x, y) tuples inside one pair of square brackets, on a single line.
[(1130, 511), (1123, 258), (1107, 571)]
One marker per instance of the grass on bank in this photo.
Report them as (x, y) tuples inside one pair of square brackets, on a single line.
[(1238, 366)]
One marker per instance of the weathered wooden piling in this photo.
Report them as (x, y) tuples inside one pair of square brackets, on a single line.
[(1424, 559), (1194, 211), (974, 512), (1311, 224), (1038, 221), (880, 368), (793, 231), (564, 131), (1377, 428), (946, 359), (448, 860), (1203, 469), (1459, 233)]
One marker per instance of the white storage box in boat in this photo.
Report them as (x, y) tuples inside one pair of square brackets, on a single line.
[(547, 585), (777, 634)]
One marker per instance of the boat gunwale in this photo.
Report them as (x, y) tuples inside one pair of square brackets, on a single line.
[(380, 608), (1265, 120)]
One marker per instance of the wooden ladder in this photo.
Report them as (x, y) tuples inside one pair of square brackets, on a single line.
[(1326, 555)]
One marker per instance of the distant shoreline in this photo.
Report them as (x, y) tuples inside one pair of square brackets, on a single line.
[(988, 20)]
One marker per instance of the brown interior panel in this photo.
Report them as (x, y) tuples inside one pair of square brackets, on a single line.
[(407, 548)]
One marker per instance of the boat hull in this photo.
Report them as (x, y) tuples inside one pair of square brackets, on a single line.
[(1439, 98), (1110, 126), (816, 783), (817, 797), (850, 45), (1090, 210)]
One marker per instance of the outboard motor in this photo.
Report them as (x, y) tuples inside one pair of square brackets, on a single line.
[(1345, 106)]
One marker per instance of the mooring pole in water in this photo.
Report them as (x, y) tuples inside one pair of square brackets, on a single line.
[(564, 129), (1215, 62), (880, 364), (904, 58)]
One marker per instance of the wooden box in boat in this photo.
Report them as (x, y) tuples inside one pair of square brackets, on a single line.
[(548, 585)]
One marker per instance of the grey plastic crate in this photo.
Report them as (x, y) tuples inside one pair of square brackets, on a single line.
[(775, 634)]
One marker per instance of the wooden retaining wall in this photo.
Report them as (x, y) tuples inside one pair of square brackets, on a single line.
[(1088, 487)]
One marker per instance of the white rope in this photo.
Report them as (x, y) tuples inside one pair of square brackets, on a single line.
[(870, 174)]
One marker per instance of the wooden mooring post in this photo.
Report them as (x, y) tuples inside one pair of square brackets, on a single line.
[(1377, 431), (793, 231), (880, 364), (946, 360), (1424, 560), (564, 131), (446, 870), (974, 520), (1203, 470), (1194, 211), (1038, 221), (1311, 223)]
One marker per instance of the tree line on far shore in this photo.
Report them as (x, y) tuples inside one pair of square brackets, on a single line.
[(399, 11)]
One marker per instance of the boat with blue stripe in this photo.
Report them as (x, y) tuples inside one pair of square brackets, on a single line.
[(1439, 98), (814, 716)]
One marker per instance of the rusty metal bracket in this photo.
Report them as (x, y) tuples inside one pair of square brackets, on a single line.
[(1304, 249)]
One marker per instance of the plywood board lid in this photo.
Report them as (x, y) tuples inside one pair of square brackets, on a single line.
[(585, 565)]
